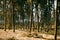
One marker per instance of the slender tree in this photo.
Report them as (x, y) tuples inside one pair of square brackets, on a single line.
[(30, 4), (55, 21), (4, 12), (13, 21)]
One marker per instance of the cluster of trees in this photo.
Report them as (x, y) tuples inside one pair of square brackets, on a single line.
[(29, 13), (26, 12)]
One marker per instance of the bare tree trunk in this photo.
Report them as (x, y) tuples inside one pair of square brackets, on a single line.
[(13, 21), (30, 25), (37, 17), (4, 12), (38, 23), (55, 28), (30, 4), (55, 20)]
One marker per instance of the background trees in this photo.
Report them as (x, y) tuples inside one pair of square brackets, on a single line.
[(31, 14)]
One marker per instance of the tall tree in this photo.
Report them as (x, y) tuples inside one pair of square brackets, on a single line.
[(55, 21), (13, 21), (4, 12), (31, 15)]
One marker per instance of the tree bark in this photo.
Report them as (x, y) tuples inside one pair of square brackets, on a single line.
[(13, 21), (4, 12), (55, 21)]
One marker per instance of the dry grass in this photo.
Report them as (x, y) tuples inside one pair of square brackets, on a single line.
[(12, 38), (23, 35)]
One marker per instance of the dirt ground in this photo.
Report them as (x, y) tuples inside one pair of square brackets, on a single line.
[(23, 35)]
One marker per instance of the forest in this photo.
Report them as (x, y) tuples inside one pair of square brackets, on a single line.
[(34, 17)]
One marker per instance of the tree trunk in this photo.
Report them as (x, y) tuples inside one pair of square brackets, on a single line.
[(13, 21), (4, 12), (38, 23), (30, 4), (55, 20)]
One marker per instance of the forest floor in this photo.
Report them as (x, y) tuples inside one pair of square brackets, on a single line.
[(23, 35)]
